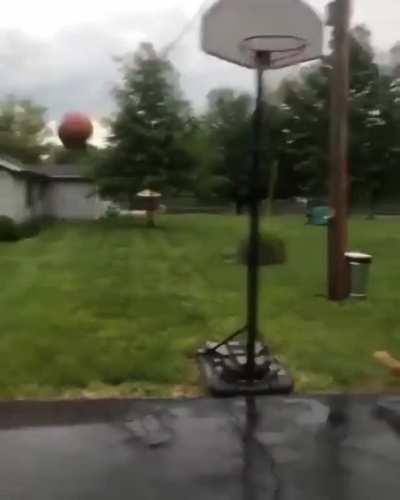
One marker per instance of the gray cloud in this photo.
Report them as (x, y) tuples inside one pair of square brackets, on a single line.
[(75, 69), (72, 71)]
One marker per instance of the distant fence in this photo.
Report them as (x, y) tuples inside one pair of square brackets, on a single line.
[(384, 207), (381, 208), (189, 205)]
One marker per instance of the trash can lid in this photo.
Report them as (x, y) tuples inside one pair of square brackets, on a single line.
[(358, 257)]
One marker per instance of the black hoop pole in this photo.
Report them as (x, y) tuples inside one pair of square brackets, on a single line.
[(263, 59)]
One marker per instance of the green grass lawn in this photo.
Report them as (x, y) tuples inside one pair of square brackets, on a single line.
[(105, 309)]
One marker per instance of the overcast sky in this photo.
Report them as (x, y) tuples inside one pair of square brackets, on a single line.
[(60, 53)]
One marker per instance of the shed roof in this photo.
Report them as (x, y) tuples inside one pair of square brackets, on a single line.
[(60, 172)]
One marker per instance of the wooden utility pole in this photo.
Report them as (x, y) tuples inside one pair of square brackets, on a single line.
[(338, 279)]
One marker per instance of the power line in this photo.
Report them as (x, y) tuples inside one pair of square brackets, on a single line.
[(187, 27)]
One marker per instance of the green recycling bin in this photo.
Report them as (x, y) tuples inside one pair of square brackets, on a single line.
[(318, 216), (359, 264)]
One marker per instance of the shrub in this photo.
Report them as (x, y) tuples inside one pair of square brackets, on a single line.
[(8, 229), (29, 228), (272, 251)]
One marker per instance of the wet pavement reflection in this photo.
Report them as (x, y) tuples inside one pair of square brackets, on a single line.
[(330, 447)]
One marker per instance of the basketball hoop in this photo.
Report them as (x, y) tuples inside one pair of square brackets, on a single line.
[(289, 29), (267, 50), (262, 35)]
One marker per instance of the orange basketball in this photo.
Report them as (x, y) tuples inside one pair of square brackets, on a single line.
[(75, 130)]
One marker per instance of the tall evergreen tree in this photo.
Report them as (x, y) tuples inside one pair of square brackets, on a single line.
[(147, 142)]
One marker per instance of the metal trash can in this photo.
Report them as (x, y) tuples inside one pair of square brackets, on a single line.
[(359, 273)]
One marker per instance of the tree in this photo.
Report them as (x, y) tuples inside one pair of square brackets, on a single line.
[(23, 130), (387, 179), (227, 129), (305, 124), (206, 183), (148, 134), (228, 122), (86, 159), (394, 55), (372, 123)]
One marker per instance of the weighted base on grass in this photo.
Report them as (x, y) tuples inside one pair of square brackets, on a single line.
[(223, 369)]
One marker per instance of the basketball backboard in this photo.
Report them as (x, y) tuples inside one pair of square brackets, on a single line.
[(234, 30)]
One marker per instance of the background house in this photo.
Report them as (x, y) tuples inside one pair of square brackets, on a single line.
[(60, 191)]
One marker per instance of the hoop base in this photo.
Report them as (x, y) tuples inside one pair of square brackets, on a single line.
[(223, 370)]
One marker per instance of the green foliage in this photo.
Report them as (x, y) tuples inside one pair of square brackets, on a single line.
[(227, 126), (206, 184), (374, 125), (86, 159), (148, 134), (12, 231), (8, 229), (227, 129), (211, 156), (23, 130), (305, 116), (30, 228)]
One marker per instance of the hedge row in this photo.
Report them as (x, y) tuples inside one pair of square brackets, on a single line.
[(12, 231)]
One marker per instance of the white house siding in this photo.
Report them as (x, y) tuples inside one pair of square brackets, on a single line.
[(13, 197), (73, 200), (39, 204), (23, 197)]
